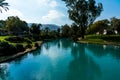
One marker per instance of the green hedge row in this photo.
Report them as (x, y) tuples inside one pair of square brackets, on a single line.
[(9, 49), (18, 40)]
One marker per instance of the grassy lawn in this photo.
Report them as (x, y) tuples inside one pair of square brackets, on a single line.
[(2, 38), (101, 39)]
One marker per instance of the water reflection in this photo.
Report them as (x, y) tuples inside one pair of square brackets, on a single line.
[(37, 52), (100, 50), (3, 71), (66, 43), (64, 60), (82, 67)]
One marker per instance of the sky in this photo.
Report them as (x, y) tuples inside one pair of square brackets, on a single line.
[(53, 11)]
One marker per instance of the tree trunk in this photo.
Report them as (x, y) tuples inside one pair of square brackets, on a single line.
[(82, 32)]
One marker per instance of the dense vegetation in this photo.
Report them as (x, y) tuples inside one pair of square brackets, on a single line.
[(83, 12), (16, 35), (111, 26)]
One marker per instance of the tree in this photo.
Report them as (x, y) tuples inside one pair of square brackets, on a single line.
[(98, 26), (35, 29), (3, 5), (15, 25), (115, 24), (65, 30), (74, 29), (47, 30), (58, 32), (83, 12)]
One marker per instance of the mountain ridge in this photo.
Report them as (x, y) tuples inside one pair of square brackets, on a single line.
[(50, 26)]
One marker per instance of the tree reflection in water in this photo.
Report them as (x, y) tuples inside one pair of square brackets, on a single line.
[(100, 50), (82, 67)]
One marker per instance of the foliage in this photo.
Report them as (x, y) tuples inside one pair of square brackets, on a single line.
[(20, 48), (36, 45), (28, 46), (112, 38), (83, 12), (16, 39), (58, 32), (53, 34), (74, 31), (7, 49), (115, 24), (35, 29), (3, 5), (101, 39), (65, 31), (98, 26), (14, 25), (47, 30)]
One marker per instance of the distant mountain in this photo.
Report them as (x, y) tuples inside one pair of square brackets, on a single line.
[(29, 24), (50, 26)]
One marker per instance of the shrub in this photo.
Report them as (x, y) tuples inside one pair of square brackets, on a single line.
[(111, 38), (28, 46), (7, 49), (15, 39), (36, 45), (18, 39), (74, 38), (20, 48)]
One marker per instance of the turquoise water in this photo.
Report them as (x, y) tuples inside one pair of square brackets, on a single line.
[(65, 60)]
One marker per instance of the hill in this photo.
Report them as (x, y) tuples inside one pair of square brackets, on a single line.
[(50, 26)]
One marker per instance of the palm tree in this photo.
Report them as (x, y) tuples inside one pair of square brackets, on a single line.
[(3, 5)]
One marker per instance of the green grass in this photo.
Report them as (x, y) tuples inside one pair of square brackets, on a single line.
[(101, 39), (2, 38)]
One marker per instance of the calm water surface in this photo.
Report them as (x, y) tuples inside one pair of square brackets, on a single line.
[(65, 60)]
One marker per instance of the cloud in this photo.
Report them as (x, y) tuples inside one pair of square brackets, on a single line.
[(51, 16), (47, 3), (37, 11), (53, 4), (11, 12)]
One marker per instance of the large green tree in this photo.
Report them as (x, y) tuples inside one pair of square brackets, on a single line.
[(35, 29), (98, 26), (115, 24), (3, 5), (83, 12), (65, 31), (15, 25)]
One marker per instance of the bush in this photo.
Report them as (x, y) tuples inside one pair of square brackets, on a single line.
[(111, 38), (28, 46), (7, 49), (28, 40), (20, 48), (18, 39), (36, 45), (74, 38)]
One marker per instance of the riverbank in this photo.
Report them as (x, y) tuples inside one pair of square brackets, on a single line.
[(101, 39), (8, 58)]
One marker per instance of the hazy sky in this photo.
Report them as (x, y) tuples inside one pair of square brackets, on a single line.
[(52, 11)]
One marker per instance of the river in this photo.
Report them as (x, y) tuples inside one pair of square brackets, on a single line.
[(65, 60)]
